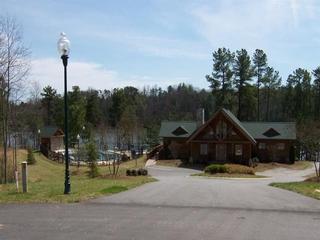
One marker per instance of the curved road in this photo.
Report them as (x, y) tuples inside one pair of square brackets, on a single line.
[(176, 207)]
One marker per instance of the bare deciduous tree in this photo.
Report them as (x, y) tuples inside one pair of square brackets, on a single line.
[(14, 66)]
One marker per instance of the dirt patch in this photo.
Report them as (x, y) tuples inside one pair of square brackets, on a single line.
[(298, 165)]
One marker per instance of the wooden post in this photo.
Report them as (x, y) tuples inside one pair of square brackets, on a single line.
[(24, 177)]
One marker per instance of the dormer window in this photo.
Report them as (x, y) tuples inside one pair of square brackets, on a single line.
[(179, 131), (271, 133)]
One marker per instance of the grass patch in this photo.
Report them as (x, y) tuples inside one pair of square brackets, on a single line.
[(308, 188), (179, 163), (227, 175), (46, 182), (114, 189), (298, 165)]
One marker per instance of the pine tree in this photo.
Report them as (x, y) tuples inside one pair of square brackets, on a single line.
[(77, 112), (271, 80), (299, 84), (316, 83), (220, 79), (243, 74), (48, 96), (259, 64), (92, 156)]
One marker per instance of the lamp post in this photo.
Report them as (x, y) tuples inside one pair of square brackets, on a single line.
[(64, 49), (78, 138), (39, 140)]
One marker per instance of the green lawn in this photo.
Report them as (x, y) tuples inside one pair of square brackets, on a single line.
[(307, 188), (46, 182)]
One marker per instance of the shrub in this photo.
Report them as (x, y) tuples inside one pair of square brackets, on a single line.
[(239, 169), (124, 158), (253, 162), (134, 172), (215, 168), (144, 172), (137, 172), (30, 157), (92, 156), (229, 168)]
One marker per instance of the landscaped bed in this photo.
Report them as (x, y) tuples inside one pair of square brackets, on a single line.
[(237, 170), (309, 187), (229, 171), (46, 182)]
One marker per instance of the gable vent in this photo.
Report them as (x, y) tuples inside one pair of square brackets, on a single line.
[(179, 131), (271, 133)]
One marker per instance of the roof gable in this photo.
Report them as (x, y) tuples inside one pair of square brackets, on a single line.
[(271, 133), (177, 129), (50, 131), (271, 130), (229, 116)]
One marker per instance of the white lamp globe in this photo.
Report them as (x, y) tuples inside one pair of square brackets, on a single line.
[(63, 45)]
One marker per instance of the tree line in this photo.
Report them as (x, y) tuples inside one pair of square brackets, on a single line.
[(255, 91), (244, 84)]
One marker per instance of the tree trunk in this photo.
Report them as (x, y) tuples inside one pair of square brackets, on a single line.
[(268, 103), (258, 97)]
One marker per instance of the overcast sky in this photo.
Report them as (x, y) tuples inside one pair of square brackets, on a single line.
[(162, 42)]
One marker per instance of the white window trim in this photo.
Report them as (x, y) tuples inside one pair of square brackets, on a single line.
[(238, 152)]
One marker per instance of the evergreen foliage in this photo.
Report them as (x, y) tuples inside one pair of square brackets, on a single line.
[(249, 87), (92, 156), (30, 157)]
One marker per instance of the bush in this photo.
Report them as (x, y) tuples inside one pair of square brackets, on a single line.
[(92, 156), (215, 168), (253, 162), (239, 169), (144, 172), (125, 158), (229, 168), (30, 157), (135, 172)]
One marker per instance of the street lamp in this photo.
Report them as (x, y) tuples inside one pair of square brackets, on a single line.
[(78, 138), (39, 140), (64, 49)]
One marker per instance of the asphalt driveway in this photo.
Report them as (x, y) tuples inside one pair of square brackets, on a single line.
[(177, 188), (176, 207)]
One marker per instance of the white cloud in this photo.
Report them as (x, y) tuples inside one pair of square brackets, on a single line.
[(254, 23), (49, 71), (150, 44)]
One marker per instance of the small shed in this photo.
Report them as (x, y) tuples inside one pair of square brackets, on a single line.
[(51, 138)]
